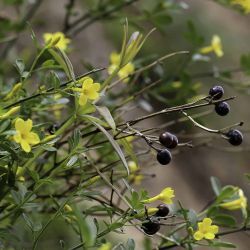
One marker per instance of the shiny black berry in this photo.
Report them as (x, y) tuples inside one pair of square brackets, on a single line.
[(164, 157), (174, 142), (235, 137), (222, 108), (163, 210), (150, 227), (168, 140), (216, 92)]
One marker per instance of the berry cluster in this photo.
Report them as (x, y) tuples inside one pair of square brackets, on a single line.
[(234, 136), (169, 141), (152, 225), (221, 108)]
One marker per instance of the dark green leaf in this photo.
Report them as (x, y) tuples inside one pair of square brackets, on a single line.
[(215, 185)]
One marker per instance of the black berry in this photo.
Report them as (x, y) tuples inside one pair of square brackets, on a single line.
[(222, 108), (150, 227), (168, 140), (174, 142), (235, 137), (163, 210), (164, 157), (216, 92)]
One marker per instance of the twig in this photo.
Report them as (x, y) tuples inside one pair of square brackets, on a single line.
[(23, 22), (69, 7), (93, 19), (51, 89)]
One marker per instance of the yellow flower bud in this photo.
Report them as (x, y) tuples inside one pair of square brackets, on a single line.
[(9, 113), (67, 208), (165, 196), (13, 91)]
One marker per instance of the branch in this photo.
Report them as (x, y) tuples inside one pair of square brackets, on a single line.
[(52, 89), (93, 19)]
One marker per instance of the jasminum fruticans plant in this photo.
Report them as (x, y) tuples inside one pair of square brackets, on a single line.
[(165, 196), (57, 39), (88, 91), (245, 4), (125, 71), (73, 180), (239, 201), (216, 47), (23, 134), (206, 230)]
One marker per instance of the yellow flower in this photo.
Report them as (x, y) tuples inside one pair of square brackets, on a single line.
[(56, 39), (89, 90), (10, 112), (206, 230), (24, 136), (165, 196), (124, 71), (215, 46), (134, 177), (105, 246), (245, 4), (240, 203), (133, 167)]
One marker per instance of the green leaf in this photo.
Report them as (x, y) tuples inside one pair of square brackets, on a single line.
[(74, 140), (33, 174), (87, 228), (130, 244), (226, 193), (54, 80), (215, 182), (20, 66), (115, 226), (72, 161), (111, 140), (245, 63), (48, 63), (224, 220), (105, 113), (63, 61), (192, 217), (221, 244)]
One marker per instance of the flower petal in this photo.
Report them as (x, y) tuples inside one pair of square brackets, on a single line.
[(115, 58), (209, 236), (17, 137), (92, 94), (25, 146), (19, 124), (111, 68), (83, 99), (28, 125), (32, 138), (87, 83), (96, 86), (214, 229), (207, 222), (198, 235)]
